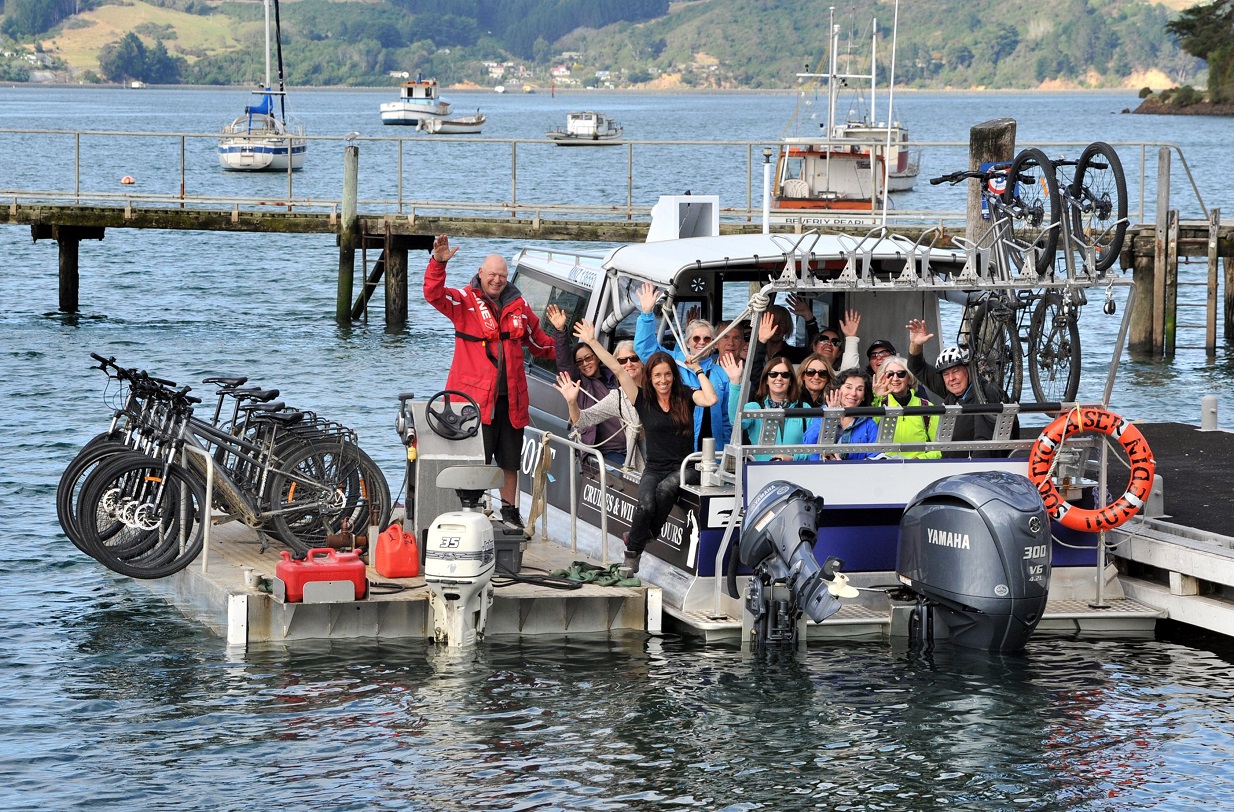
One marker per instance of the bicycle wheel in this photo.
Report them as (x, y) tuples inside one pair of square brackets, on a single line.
[(156, 512), (1099, 217), (68, 491), (997, 356), (1054, 350), (323, 490), (1034, 204)]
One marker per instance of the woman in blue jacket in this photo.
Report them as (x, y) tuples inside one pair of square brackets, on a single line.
[(851, 388), (777, 389)]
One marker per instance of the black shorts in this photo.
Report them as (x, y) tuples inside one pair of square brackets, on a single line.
[(502, 441)]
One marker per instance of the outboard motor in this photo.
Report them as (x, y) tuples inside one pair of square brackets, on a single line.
[(460, 556), (777, 541), (975, 548)]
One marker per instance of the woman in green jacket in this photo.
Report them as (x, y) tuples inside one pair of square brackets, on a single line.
[(895, 386)]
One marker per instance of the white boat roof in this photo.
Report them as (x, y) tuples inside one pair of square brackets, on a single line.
[(661, 262)]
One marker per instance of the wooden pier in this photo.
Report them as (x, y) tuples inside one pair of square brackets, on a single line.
[(1154, 251)]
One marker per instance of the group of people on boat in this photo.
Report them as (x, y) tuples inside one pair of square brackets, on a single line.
[(648, 406)]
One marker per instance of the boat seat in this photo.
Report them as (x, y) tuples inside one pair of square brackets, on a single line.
[(796, 188)]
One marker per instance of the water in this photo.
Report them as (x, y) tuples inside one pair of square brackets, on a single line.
[(115, 701)]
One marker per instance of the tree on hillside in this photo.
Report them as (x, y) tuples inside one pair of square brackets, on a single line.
[(28, 18), (128, 58), (1207, 32)]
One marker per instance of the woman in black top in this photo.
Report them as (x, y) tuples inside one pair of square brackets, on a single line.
[(666, 407)]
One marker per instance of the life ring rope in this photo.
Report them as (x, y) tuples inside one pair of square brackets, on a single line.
[(1043, 459)]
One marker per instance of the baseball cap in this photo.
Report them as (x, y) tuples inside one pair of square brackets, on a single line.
[(880, 344)]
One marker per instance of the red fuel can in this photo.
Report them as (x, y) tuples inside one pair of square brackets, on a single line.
[(321, 564)]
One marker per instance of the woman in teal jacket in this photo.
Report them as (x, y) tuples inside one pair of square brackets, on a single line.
[(777, 389), (894, 385)]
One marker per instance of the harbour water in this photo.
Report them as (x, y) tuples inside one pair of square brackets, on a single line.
[(115, 701)]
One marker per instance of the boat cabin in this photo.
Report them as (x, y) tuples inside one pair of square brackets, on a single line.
[(813, 174)]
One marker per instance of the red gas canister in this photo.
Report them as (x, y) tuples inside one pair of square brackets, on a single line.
[(396, 554), (320, 564)]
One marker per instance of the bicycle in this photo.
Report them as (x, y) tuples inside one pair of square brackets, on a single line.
[(292, 474)]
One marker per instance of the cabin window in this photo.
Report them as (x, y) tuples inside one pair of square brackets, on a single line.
[(539, 294)]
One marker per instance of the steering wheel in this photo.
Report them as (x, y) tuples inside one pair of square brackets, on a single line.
[(449, 424)]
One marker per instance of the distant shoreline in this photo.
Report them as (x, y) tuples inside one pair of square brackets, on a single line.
[(542, 91), (1153, 106)]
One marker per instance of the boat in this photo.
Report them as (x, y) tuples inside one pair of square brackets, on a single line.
[(855, 161), (699, 559), (586, 128), (499, 89), (262, 139), (419, 100), (463, 125)]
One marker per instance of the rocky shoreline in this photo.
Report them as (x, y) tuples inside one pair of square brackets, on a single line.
[(1158, 107)]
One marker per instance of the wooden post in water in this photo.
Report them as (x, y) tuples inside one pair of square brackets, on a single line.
[(1170, 325), (1210, 319), (396, 281), (988, 142), (1160, 259), (349, 234), (70, 278)]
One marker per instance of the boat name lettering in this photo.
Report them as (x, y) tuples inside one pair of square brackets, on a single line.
[(582, 277), (946, 538), (613, 503)]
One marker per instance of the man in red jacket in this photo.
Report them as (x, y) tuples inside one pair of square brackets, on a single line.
[(492, 323)]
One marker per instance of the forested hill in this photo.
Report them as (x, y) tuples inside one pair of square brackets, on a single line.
[(697, 43)]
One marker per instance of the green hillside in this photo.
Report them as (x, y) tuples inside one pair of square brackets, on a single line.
[(699, 43)]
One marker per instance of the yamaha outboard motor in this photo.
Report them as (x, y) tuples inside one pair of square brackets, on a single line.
[(777, 542), (976, 549)]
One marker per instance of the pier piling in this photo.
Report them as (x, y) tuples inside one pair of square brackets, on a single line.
[(988, 142), (348, 234)]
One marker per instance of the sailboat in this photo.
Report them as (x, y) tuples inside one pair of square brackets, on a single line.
[(854, 161), (259, 139)]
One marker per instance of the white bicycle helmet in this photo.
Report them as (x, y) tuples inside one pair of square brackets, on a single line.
[(951, 357)]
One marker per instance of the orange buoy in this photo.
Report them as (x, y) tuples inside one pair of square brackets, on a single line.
[(1140, 457), (127, 180)]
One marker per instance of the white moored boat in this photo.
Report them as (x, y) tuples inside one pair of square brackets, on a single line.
[(261, 139), (463, 125), (586, 128), (418, 101)]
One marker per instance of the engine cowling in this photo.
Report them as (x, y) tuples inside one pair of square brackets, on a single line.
[(976, 547)]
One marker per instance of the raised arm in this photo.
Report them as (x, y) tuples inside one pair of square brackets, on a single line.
[(585, 332), (705, 395)]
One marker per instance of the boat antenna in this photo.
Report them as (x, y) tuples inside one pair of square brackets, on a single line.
[(891, 95), (278, 40)]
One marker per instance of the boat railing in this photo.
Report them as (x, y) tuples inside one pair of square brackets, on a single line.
[(392, 167), (542, 482)]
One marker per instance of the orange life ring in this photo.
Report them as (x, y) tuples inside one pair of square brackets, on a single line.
[(1093, 419)]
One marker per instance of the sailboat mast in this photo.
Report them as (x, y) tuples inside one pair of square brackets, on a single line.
[(267, 84), (278, 40)]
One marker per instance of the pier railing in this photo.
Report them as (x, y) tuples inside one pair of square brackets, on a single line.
[(487, 177)]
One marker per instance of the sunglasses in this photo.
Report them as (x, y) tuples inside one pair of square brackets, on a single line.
[(700, 339), (584, 359), (835, 342), (817, 372), (879, 354), (779, 374), (897, 373), (627, 359)]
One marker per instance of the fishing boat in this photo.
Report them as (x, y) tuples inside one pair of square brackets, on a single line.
[(463, 125), (419, 100), (855, 160), (586, 128), (885, 527), (262, 139)]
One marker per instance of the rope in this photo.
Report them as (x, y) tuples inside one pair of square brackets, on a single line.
[(539, 482)]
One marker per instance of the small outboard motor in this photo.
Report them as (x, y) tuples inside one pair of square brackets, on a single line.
[(459, 557), (975, 548), (777, 541)]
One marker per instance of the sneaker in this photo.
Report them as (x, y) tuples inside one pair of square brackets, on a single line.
[(509, 515)]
